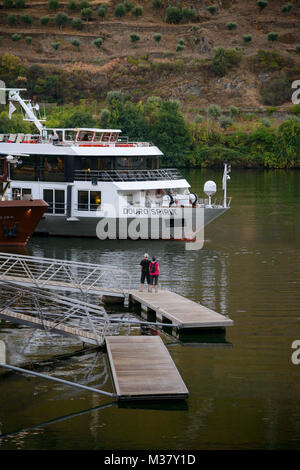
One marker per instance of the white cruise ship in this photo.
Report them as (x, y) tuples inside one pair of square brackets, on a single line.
[(88, 175)]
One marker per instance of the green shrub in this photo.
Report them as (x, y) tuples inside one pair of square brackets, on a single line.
[(231, 26), (72, 5), (137, 11), (44, 20), (76, 43), (76, 23), (234, 111), (86, 13), (212, 9), (16, 37), (20, 3), (266, 122), (247, 38), (26, 19), (83, 4), (134, 37), (102, 11), (295, 109), (55, 45), (214, 111), (104, 118), (298, 49), (114, 96), (157, 4), (188, 14), (224, 59), (61, 20), (157, 37), (180, 47), (261, 4), (272, 36), (12, 19), (53, 4), (120, 10), (98, 42), (286, 8), (173, 15), (225, 121), (8, 3), (276, 91), (128, 5), (28, 40)]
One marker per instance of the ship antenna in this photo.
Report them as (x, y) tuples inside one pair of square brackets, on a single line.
[(30, 110)]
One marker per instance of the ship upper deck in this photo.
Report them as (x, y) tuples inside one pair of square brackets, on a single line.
[(81, 137)]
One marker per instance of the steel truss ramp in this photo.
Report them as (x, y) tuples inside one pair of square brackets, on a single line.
[(55, 313), (64, 275)]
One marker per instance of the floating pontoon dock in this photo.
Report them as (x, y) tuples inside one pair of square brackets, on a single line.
[(180, 312), (142, 368)]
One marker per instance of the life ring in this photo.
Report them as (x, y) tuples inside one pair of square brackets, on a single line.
[(196, 199), (171, 199)]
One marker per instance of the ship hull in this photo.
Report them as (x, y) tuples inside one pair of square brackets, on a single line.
[(18, 220), (56, 225)]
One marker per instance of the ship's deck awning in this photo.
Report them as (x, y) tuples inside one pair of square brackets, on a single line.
[(147, 185), (87, 129)]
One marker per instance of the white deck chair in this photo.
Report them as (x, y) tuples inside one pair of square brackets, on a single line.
[(19, 138), (1, 137), (12, 137)]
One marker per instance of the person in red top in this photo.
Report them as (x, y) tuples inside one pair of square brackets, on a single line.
[(154, 274)]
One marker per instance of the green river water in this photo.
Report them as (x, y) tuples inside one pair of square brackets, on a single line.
[(244, 388)]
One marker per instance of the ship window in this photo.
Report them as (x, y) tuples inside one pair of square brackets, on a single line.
[(25, 169), (19, 193), (56, 200), (89, 200), (105, 164), (51, 168)]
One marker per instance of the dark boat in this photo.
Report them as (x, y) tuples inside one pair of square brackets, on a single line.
[(18, 218)]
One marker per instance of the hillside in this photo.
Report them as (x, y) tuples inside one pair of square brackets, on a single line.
[(149, 67)]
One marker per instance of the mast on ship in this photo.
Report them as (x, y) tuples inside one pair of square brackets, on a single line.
[(30, 109)]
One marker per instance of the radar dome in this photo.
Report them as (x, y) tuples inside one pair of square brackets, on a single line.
[(210, 188)]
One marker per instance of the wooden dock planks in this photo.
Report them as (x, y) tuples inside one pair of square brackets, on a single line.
[(142, 368), (181, 311)]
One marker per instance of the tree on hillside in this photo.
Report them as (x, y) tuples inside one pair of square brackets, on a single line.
[(120, 10), (137, 11), (157, 37), (53, 4), (272, 37), (86, 13), (61, 20), (169, 132), (173, 15), (79, 119), (262, 4), (212, 9)]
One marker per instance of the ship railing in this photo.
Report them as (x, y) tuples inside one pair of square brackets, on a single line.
[(66, 275), (217, 202), (127, 175), (20, 138)]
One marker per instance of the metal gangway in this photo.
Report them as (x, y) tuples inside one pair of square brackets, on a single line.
[(64, 275), (55, 313)]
